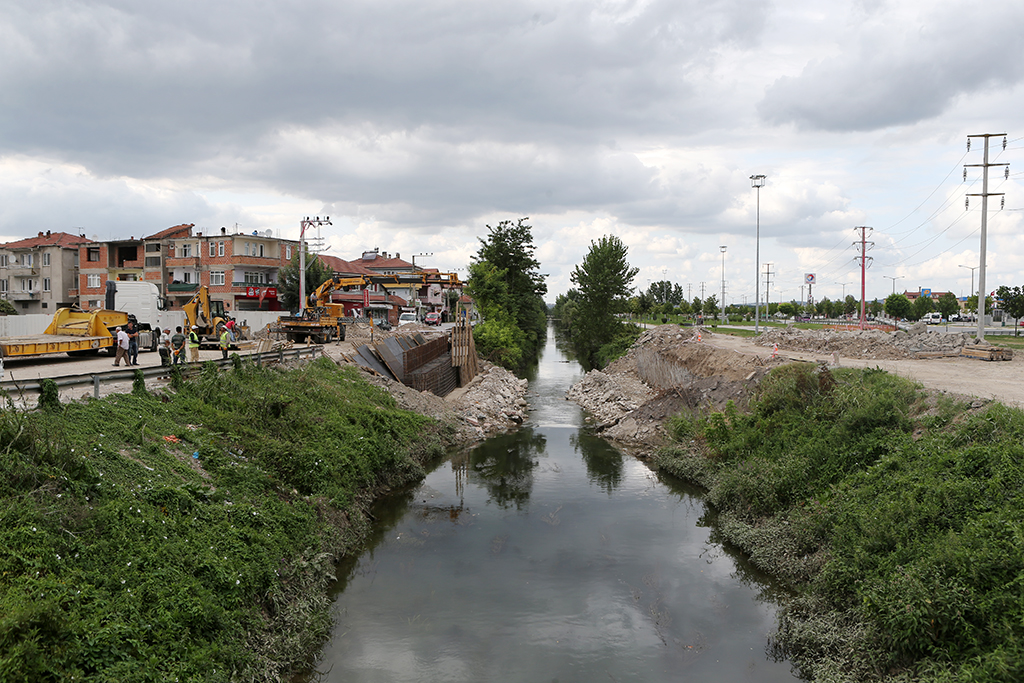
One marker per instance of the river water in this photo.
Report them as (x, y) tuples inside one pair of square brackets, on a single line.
[(548, 555)]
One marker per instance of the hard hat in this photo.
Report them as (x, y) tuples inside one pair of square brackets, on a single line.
[(195, 327)]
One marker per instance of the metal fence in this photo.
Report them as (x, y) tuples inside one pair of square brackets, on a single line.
[(32, 387)]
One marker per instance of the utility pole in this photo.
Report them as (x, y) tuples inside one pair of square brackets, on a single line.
[(767, 290), (985, 194), (724, 318), (306, 224), (757, 182), (864, 258)]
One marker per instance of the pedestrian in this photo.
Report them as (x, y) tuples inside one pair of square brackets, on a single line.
[(165, 352), (193, 344), (225, 341), (231, 330), (133, 343), (122, 348), (178, 345)]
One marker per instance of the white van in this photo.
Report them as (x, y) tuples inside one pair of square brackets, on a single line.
[(933, 318)]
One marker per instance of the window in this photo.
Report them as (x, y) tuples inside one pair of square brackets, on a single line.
[(46, 284), (246, 248), (186, 277), (28, 260), (92, 254), (152, 261), (288, 253), (261, 249), (92, 281), (185, 251), (220, 249), (3, 260), (213, 249), (153, 247), (27, 285), (46, 259), (3, 285), (216, 277), (253, 278)]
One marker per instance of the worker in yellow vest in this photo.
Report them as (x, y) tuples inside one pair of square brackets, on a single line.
[(193, 344)]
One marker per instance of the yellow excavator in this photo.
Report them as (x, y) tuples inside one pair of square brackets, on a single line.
[(208, 315), (322, 321)]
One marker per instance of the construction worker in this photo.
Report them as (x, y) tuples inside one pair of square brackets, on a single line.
[(225, 341), (178, 345), (193, 344)]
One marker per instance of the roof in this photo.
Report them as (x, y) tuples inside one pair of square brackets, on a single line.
[(345, 267), (357, 298), (183, 230), (49, 239), (380, 263)]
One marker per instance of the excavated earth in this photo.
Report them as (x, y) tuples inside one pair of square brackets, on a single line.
[(670, 368)]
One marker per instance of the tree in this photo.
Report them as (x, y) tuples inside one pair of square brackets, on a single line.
[(849, 305), (972, 304), (948, 305), (897, 306), (697, 306), (824, 307), (1013, 303), (604, 281), (317, 272), (509, 292), (922, 306), (787, 309), (7, 308), (711, 307), (875, 308), (684, 307)]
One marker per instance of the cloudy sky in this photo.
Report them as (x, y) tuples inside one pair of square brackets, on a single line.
[(416, 123)]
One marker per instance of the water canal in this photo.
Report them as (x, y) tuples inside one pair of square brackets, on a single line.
[(548, 555)]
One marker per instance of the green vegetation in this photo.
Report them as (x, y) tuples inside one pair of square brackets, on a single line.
[(592, 321), (897, 306), (1012, 301), (509, 293), (190, 535), (895, 516), (7, 308), (317, 273)]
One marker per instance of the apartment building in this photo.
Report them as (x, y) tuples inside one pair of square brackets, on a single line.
[(240, 269), (40, 274)]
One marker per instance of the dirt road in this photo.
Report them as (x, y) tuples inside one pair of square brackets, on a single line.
[(999, 380)]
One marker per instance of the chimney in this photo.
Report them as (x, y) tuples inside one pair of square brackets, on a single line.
[(47, 233), (397, 255), (40, 233), (223, 231)]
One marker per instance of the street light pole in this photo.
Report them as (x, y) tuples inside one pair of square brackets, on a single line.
[(757, 182), (724, 318), (972, 269), (894, 278)]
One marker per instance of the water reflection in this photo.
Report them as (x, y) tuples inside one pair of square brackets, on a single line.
[(504, 466), (604, 463)]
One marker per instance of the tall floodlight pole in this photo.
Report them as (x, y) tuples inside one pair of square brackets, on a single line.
[(985, 194), (725, 319), (894, 278), (306, 224), (972, 269), (757, 182)]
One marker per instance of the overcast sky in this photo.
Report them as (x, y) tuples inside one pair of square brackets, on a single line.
[(415, 123)]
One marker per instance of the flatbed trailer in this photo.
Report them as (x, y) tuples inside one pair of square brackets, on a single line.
[(38, 344)]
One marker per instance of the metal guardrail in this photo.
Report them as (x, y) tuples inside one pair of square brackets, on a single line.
[(150, 372)]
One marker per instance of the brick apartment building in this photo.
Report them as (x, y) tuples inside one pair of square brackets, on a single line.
[(240, 269), (40, 274)]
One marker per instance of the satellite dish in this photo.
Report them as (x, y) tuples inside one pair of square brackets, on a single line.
[(269, 233)]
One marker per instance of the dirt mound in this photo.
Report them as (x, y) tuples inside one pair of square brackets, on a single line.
[(669, 368), (867, 344)]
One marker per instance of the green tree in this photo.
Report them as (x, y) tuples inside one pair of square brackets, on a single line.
[(824, 307), (1012, 299), (513, 309), (787, 309), (7, 308), (850, 305), (922, 306), (317, 272), (972, 304), (947, 305), (604, 280), (697, 307), (684, 307), (711, 307), (897, 306), (875, 308), (660, 291)]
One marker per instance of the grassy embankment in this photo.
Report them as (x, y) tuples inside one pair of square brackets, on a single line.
[(190, 536), (896, 516)]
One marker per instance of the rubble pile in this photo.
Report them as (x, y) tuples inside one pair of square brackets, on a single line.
[(868, 344), (495, 401)]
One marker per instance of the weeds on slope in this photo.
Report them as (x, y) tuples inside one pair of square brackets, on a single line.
[(189, 536), (896, 515)]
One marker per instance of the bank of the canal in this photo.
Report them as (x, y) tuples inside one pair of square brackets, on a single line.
[(547, 554)]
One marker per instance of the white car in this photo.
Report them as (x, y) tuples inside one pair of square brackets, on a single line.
[(406, 318)]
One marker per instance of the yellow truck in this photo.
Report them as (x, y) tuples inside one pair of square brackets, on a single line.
[(73, 331)]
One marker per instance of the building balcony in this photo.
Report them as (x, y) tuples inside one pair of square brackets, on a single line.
[(183, 287), (18, 270), (130, 264), (72, 293), (191, 262), (19, 295)]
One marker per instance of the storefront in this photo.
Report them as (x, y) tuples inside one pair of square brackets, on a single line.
[(257, 298)]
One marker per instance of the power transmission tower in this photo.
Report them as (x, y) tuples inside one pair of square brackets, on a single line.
[(864, 258), (984, 194)]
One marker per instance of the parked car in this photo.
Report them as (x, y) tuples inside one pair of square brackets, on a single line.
[(406, 318), (432, 319)]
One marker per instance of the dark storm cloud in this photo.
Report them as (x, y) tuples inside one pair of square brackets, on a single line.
[(900, 69)]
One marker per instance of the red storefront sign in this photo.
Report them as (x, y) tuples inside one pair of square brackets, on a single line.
[(366, 298), (256, 293)]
